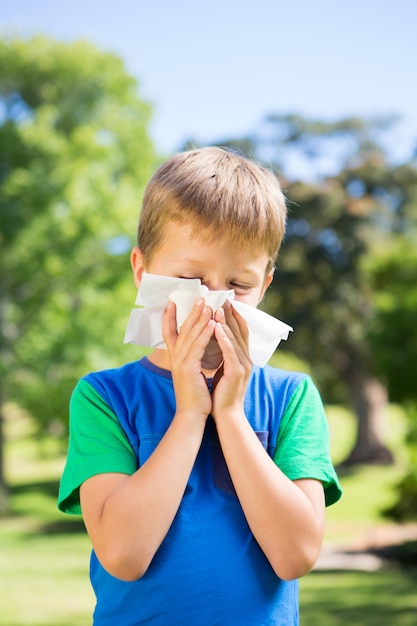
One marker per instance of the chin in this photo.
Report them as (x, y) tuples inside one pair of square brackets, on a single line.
[(212, 357)]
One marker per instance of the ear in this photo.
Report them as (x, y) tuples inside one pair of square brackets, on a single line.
[(268, 281), (137, 263)]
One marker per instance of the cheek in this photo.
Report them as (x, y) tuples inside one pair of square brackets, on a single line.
[(251, 299)]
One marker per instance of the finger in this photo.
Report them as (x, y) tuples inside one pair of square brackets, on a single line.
[(235, 329), (236, 321), (194, 334), (232, 353), (169, 325), (217, 377), (199, 307), (170, 331), (197, 323)]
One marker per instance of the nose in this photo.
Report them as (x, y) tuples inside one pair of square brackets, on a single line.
[(215, 284)]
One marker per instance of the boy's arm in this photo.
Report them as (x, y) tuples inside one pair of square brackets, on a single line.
[(127, 517), (286, 517)]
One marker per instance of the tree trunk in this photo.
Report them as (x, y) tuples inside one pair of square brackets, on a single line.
[(369, 400)]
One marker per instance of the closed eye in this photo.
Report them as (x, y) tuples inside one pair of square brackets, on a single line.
[(238, 287)]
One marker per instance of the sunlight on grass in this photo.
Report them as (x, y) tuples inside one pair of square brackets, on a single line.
[(24, 460), (53, 571), (44, 553), (367, 490)]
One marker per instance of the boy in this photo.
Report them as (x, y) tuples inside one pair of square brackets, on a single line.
[(202, 490)]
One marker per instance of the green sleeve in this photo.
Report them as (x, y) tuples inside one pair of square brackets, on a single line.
[(97, 445), (302, 449)]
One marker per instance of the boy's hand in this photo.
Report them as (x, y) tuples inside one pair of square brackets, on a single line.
[(186, 350), (230, 381)]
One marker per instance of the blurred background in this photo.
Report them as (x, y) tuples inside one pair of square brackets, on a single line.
[(93, 97)]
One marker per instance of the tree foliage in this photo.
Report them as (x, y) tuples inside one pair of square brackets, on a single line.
[(392, 334), (74, 158), (348, 202), (393, 340)]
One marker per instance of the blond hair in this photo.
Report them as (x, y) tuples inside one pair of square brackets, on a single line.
[(219, 194)]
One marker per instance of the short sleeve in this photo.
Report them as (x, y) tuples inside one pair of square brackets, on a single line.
[(97, 445), (302, 449)]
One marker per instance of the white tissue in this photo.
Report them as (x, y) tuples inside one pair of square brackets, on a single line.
[(145, 324)]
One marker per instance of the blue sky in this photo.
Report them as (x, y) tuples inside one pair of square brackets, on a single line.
[(214, 69)]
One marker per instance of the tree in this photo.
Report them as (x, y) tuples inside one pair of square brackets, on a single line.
[(74, 158), (351, 200), (393, 340)]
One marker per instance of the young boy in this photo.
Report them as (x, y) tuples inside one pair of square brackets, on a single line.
[(203, 491)]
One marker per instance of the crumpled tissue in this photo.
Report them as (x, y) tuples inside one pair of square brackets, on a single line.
[(145, 324)]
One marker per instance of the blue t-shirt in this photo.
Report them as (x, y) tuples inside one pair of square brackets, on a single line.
[(209, 569)]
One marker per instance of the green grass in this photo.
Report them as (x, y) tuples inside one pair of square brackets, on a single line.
[(45, 580), (44, 554), (348, 598), (367, 490), (383, 598)]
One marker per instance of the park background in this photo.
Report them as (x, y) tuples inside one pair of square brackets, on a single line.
[(323, 92)]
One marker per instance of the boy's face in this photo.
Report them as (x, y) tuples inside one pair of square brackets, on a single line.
[(219, 264)]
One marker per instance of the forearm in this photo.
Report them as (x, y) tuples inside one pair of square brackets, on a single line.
[(286, 523), (128, 522), (132, 521)]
